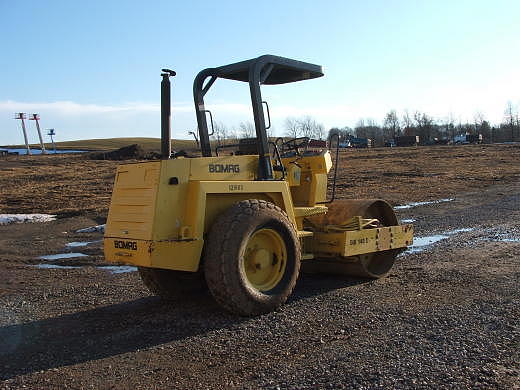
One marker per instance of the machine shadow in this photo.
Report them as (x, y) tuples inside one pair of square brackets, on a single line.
[(310, 285), (106, 331), (126, 327)]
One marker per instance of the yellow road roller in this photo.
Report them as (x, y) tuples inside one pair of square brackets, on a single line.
[(242, 220)]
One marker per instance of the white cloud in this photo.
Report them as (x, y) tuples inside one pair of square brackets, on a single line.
[(73, 108)]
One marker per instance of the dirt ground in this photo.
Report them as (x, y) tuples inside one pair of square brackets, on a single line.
[(445, 317)]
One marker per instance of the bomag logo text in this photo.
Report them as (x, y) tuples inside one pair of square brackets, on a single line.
[(132, 245), (221, 168)]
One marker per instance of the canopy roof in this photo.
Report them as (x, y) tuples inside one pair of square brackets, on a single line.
[(277, 70)]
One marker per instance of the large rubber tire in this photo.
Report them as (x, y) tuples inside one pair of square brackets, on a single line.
[(172, 285), (228, 254)]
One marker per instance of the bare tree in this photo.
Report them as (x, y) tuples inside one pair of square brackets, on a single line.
[(360, 129), (407, 123), (424, 125), (391, 124), (510, 117), (304, 127), (247, 130), (310, 128), (220, 133), (370, 129), (478, 118), (319, 132), (450, 126), (292, 127), (233, 135), (482, 126), (333, 132)]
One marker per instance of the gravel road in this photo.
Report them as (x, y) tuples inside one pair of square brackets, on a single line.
[(446, 317)]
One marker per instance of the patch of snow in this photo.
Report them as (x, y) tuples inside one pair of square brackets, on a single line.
[(415, 204), (408, 220), (114, 269), (92, 229), (76, 244), (7, 219), (462, 230), (56, 266), (62, 256)]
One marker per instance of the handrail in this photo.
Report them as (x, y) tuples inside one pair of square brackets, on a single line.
[(335, 171)]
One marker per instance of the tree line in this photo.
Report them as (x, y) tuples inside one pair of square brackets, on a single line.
[(429, 129)]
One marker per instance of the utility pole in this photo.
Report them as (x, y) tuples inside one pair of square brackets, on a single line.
[(36, 118), (51, 133), (21, 116)]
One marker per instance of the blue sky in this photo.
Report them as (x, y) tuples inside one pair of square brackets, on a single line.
[(92, 69)]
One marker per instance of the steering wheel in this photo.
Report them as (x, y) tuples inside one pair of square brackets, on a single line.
[(296, 144)]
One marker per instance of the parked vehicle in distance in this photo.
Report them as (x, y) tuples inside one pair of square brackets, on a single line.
[(357, 142), (465, 139), (407, 140)]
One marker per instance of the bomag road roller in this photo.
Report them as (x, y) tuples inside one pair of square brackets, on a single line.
[(240, 222)]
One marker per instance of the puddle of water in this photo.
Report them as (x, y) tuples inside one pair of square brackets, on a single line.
[(118, 269), (92, 229), (62, 256), (420, 243), (408, 220), (510, 240), (56, 266), (415, 204)]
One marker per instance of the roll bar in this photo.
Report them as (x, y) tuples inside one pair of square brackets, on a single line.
[(266, 69)]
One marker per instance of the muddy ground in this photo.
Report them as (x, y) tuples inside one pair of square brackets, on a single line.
[(445, 317)]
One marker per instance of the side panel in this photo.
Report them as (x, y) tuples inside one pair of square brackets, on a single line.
[(199, 191), (170, 212), (132, 206), (204, 202), (159, 215), (171, 248)]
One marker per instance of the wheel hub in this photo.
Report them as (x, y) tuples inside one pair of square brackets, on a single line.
[(265, 259)]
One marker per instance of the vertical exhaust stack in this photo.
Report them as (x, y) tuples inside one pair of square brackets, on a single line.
[(166, 148)]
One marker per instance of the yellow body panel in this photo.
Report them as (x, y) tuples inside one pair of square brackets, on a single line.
[(161, 210), (309, 180), (133, 200), (357, 242)]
